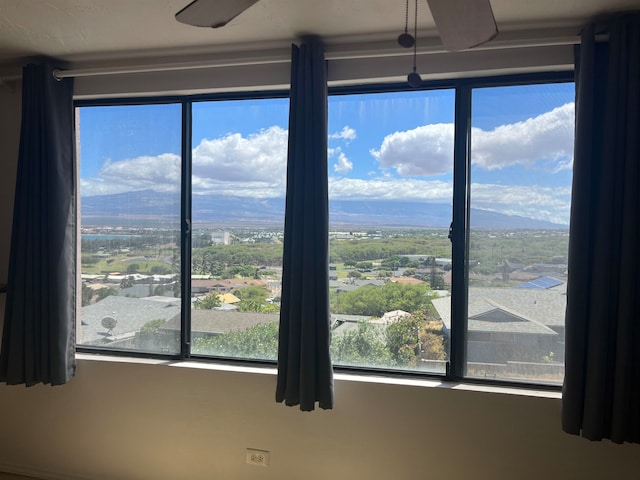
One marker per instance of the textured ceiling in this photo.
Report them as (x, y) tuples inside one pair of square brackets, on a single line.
[(82, 29)]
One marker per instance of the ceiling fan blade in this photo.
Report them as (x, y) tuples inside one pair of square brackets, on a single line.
[(463, 23), (212, 13)]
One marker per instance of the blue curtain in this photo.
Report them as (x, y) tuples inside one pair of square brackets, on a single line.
[(305, 374), (601, 393), (39, 325)]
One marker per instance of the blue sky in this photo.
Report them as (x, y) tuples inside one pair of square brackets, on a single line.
[(381, 147)]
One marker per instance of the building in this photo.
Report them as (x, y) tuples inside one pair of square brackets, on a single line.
[(150, 419), (513, 330), (130, 314), (221, 238)]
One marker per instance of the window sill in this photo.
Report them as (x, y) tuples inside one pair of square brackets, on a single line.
[(340, 377)]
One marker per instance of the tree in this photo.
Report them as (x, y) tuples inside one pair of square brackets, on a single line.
[(160, 270), (415, 337), (177, 287), (153, 325), (505, 269), (364, 346), (436, 277), (127, 282), (432, 338), (366, 266), (87, 294), (375, 301), (260, 341), (403, 341), (254, 299), (392, 263), (254, 293), (105, 292), (209, 301), (355, 274), (432, 345), (133, 268), (403, 344)]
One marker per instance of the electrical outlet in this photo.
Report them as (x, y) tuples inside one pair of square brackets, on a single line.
[(257, 457)]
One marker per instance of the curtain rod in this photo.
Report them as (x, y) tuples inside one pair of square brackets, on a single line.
[(348, 51)]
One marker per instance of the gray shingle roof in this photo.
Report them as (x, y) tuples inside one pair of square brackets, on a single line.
[(514, 310), (130, 315)]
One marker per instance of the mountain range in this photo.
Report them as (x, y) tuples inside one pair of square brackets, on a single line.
[(149, 208)]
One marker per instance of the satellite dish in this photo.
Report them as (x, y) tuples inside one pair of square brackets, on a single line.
[(109, 323)]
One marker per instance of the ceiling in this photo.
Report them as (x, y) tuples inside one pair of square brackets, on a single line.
[(78, 30)]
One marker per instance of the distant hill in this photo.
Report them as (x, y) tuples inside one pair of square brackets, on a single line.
[(149, 208)]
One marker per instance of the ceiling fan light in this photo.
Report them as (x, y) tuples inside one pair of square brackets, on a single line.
[(212, 13)]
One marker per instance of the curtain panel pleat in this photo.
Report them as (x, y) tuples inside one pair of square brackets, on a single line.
[(38, 341), (601, 392), (305, 374)]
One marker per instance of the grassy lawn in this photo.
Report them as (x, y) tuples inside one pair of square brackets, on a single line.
[(120, 263)]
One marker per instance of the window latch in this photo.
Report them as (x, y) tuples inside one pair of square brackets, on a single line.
[(450, 236), (187, 226)]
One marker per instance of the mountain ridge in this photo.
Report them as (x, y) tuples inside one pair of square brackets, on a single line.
[(148, 206)]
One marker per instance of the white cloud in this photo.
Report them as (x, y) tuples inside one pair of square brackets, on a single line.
[(343, 165), (347, 133), (257, 161), (255, 166), (541, 203), (233, 164), (390, 189), (428, 150), (547, 137), (160, 173)]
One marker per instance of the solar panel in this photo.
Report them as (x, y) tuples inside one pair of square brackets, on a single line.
[(541, 283)]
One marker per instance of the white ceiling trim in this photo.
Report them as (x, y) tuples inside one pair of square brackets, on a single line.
[(349, 63), (431, 46)]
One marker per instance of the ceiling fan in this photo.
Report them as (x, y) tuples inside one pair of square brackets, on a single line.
[(212, 13), (461, 24)]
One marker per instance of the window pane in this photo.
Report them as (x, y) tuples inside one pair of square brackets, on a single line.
[(238, 176), (522, 148), (130, 216), (390, 188)]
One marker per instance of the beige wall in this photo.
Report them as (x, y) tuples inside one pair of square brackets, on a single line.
[(132, 421), (135, 421)]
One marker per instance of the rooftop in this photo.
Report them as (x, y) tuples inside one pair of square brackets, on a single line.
[(516, 310)]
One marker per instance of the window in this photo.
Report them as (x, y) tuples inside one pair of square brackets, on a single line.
[(130, 166), (183, 213), (132, 244), (238, 184), (521, 162), (390, 189)]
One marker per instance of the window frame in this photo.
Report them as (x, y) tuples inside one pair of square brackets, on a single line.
[(459, 232)]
